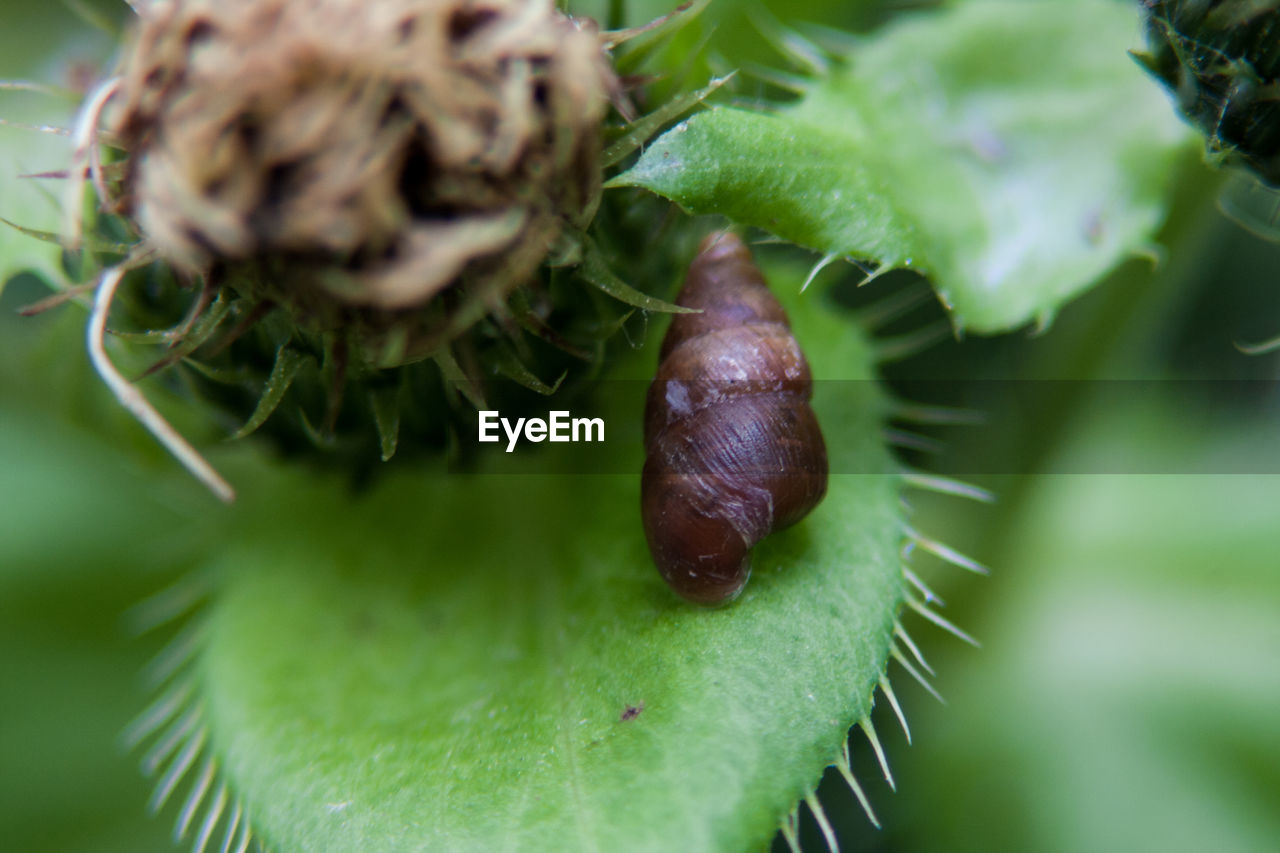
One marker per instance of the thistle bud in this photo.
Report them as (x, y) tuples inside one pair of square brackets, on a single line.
[(350, 162), (1221, 61)]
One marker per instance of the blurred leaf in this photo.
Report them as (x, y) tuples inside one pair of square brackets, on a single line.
[(68, 685), (728, 36), (83, 536), (48, 48), (1125, 698), (1011, 151), (489, 662), (67, 498), (30, 202)]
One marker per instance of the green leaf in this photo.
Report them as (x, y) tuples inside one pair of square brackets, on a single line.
[(639, 131), (508, 365), (595, 271), (1130, 660), (492, 662), (31, 203), (68, 684), (1011, 151), (30, 121), (84, 535), (87, 240), (385, 404), (288, 363)]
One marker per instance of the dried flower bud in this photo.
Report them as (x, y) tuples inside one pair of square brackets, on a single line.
[(350, 161)]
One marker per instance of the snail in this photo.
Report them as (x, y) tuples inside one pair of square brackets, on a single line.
[(733, 448)]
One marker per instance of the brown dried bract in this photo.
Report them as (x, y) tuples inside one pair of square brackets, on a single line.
[(348, 156)]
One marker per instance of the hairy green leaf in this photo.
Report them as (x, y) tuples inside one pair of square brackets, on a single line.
[(1010, 150), (491, 662)]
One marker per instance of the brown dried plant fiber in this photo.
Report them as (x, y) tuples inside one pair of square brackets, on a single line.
[(359, 157)]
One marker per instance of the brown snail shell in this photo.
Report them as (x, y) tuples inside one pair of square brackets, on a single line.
[(733, 449)]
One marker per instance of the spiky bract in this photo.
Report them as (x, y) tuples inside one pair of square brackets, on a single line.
[(1221, 60)]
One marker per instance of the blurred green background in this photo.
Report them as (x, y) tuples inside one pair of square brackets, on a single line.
[(1125, 696)]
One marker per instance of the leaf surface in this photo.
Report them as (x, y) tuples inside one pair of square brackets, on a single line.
[(491, 662), (1010, 151)]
